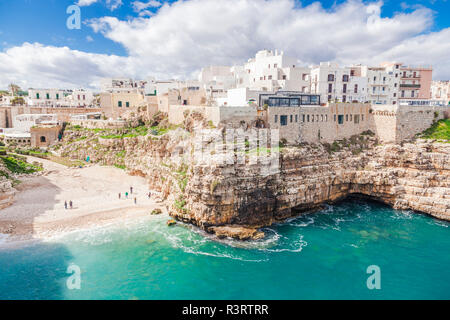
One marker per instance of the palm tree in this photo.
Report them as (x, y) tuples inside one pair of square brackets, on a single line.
[(14, 88)]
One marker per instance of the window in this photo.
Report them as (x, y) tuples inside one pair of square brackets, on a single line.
[(78, 97), (346, 117), (356, 119), (284, 77), (351, 117), (341, 119), (270, 77), (296, 118), (395, 94), (334, 118), (57, 96), (412, 94), (290, 118), (48, 96), (283, 120), (344, 98), (331, 77), (120, 104), (276, 119), (344, 88), (362, 117), (403, 93), (303, 118), (345, 78), (329, 97), (356, 88), (42, 139), (37, 95), (127, 104), (84, 97), (307, 117), (326, 118), (275, 65), (330, 88)]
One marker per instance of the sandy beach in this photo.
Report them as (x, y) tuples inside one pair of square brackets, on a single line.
[(38, 211)]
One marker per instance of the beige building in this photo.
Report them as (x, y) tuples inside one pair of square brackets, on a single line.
[(44, 136), (114, 105), (193, 96)]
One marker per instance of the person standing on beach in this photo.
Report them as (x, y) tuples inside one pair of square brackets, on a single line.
[(126, 195), (135, 200), (71, 204), (131, 190), (149, 195), (119, 195), (65, 205)]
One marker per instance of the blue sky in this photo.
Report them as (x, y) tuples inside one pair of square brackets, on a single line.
[(102, 46)]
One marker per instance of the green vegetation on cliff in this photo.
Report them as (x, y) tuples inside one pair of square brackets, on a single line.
[(439, 131), (16, 164)]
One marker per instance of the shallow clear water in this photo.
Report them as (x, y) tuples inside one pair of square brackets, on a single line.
[(320, 256)]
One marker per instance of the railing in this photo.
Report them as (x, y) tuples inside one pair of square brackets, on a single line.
[(404, 85)]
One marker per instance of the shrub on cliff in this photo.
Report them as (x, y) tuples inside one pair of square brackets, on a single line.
[(438, 131)]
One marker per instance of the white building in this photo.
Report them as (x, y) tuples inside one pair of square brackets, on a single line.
[(274, 71), (240, 97), (383, 83), (216, 80), (80, 98), (335, 83), (46, 97)]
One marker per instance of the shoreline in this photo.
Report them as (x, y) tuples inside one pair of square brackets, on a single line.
[(37, 212)]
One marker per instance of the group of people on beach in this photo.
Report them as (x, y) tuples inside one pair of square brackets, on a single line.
[(131, 192), (70, 204)]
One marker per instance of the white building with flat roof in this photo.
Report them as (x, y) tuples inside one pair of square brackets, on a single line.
[(46, 97), (274, 71), (335, 83)]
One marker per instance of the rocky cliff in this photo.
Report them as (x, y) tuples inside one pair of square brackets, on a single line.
[(235, 200), (414, 176)]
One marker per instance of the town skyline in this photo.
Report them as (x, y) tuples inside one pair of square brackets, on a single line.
[(176, 39)]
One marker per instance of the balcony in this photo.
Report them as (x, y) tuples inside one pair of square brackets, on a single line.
[(417, 77), (412, 86)]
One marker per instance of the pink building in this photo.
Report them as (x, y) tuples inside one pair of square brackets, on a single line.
[(415, 82)]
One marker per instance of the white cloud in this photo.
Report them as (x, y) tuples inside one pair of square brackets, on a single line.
[(83, 3), (89, 39), (111, 4), (35, 65), (184, 36), (139, 6)]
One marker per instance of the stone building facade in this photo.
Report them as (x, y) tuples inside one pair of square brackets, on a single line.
[(44, 136)]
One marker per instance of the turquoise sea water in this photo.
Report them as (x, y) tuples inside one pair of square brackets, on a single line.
[(320, 256)]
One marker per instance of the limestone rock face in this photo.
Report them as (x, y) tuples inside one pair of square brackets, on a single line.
[(414, 176), (7, 193)]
